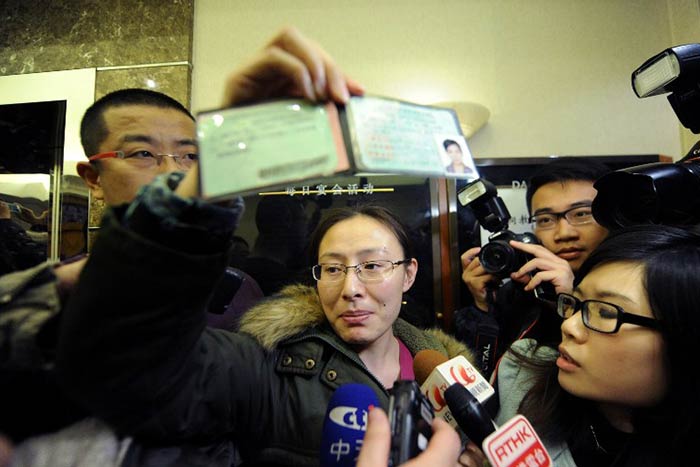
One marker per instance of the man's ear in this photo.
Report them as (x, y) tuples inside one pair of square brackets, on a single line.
[(88, 172)]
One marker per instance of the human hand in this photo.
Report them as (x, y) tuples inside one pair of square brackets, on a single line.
[(67, 275), (443, 448), (290, 65), (547, 267), (189, 185), (6, 449), (5, 212), (476, 278), (473, 456)]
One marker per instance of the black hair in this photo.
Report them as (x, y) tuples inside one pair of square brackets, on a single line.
[(378, 213), (449, 142), (564, 169), (670, 258), (93, 129)]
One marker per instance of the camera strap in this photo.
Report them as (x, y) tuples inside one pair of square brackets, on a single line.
[(479, 330), (486, 345), (487, 332)]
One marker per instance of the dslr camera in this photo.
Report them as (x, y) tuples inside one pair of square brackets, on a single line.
[(663, 192), (497, 256), (411, 417)]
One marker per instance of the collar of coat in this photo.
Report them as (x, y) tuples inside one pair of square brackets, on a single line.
[(297, 308)]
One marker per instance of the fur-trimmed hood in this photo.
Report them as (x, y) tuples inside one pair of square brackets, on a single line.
[(297, 308), (292, 310)]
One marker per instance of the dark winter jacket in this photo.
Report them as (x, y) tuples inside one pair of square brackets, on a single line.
[(135, 350), (31, 400)]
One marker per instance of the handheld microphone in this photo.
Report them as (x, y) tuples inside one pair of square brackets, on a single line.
[(436, 373), (410, 418), (456, 390), (225, 290), (469, 414), (425, 362), (515, 443), (345, 423)]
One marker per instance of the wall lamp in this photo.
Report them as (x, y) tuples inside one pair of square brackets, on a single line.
[(472, 116)]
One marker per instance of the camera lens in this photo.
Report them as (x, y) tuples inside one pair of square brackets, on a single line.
[(497, 257)]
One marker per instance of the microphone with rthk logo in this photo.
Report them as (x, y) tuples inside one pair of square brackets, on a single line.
[(513, 444), (345, 424), (456, 390)]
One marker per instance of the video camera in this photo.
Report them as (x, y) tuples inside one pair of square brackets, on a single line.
[(659, 193), (497, 256), (411, 417)]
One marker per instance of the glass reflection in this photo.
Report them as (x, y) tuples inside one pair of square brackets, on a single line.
[(24, 220), (43, 214)]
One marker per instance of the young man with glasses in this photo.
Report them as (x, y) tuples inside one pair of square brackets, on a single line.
[(559, 198)]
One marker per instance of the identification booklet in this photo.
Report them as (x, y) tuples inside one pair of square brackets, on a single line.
[(247, 149)]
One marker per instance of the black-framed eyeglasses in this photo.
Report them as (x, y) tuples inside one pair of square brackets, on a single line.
[(578, 215), (367, 271), (147, 159), (601, 316)]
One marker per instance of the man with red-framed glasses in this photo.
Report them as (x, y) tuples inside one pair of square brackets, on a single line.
[(131, 136)]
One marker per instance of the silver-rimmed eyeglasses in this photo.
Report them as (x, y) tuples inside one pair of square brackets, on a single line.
[(147, 159), (601, 316), (578, 215), (367, 271)]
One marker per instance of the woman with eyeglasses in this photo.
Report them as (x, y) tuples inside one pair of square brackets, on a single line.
[(621, 389), (149, 367)]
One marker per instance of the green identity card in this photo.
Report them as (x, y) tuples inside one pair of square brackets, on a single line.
[(246, 149)]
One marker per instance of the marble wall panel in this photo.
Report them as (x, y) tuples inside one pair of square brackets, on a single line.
[(37, 35), (173, 80)]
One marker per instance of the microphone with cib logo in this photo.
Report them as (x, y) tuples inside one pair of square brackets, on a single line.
[(345, 423)]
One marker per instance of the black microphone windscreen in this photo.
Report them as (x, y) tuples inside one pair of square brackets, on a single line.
[(469, 414)]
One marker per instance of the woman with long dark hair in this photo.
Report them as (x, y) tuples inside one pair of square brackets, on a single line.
[(621, 388)]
